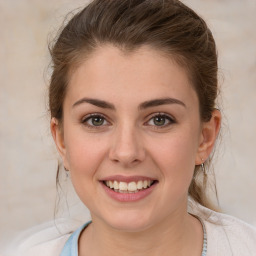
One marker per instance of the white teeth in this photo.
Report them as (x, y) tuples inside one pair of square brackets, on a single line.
[(116, 185), (139, 185), (122, 186), (111, 185), (131, 187)]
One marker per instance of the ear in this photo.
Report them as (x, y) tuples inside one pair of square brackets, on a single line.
[(208, 137), (58, 136)]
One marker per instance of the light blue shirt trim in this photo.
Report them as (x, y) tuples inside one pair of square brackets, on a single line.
[(71, 246)]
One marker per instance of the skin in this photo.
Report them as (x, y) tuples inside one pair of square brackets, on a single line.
[(128, 142)]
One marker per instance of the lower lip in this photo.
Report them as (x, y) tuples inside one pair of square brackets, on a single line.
[(128, 197)]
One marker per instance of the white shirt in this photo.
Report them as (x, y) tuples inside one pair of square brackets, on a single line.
[(226, 236)]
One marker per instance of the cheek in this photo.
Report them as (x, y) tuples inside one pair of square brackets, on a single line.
[(175, 156), (84, 153)]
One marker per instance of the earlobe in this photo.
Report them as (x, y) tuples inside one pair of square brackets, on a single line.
[(209, 134), (57, 135)]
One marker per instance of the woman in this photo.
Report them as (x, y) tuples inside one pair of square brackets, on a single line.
[(133, 115)]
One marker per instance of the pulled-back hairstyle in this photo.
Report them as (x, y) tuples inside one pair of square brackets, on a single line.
[(165, 25)]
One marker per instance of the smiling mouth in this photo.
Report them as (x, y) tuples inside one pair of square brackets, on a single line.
[(129, 187)]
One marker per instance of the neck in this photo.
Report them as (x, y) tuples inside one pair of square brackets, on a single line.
[(179, 234)]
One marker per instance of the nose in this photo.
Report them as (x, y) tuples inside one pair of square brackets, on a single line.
[(127, 147)]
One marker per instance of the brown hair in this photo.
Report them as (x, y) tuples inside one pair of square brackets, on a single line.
[(165, 25)]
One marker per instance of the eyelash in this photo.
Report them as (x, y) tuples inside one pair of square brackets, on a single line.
[(170, 120), (167, 118), (90, 117)]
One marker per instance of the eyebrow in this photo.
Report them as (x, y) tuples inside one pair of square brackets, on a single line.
[(95, 102), (159, 102), (144, 105)]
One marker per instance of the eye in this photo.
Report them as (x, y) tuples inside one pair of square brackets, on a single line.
[(95, 120), (160, 120)]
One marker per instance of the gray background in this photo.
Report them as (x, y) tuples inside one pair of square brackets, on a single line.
[(28, 159)]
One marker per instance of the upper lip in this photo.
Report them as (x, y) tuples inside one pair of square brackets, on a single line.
[(127, 179)]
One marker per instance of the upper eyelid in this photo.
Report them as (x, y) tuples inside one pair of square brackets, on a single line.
[(148, 117), (86, 118), (93, 115), (171, 121), (160, 114)]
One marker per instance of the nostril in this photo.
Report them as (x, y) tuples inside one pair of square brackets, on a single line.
[(125, 158)]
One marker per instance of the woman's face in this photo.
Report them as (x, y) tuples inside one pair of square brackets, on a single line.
[(130, 120)]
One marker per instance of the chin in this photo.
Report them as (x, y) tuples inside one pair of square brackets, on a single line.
[(129, 222)]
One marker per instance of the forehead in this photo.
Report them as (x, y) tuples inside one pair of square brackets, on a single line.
[(141, 74)]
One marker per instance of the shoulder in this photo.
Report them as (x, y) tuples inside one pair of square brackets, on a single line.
[(227, 235), (50, 247), (46, 239), (230, 235)]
